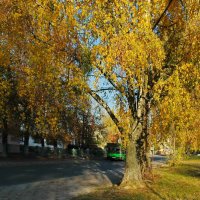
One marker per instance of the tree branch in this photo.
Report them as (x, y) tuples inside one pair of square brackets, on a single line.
[(99, 100), (104, 89), (161, 16), (108, 77), (184, 8)]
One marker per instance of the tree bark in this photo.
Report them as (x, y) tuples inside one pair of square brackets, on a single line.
[(4, 144), (55, 144), (26, 143), (143, 153), (5, 139), (42, 142), (42, 145), (132, 175), (143, 143)]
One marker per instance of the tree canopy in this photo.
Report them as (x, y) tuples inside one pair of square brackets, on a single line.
[(147, 51)]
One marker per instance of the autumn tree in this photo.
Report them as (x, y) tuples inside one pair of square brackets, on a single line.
[(38, 41), (137, 46), (5, 109), (175, 117), (113, 133), (124, 53), (178, 99)]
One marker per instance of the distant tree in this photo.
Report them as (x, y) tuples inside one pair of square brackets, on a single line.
[(39, 52)]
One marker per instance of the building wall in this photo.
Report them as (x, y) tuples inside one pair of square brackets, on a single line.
[(35, 143), (14, 144)]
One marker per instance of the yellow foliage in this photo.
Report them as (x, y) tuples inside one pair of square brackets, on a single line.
[(44, 44)]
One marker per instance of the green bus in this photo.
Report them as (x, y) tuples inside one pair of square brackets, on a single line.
[(115, 151)]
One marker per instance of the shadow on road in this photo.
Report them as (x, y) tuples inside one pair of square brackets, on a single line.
[(102, 169)]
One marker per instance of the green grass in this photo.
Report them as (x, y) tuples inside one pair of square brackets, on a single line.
[(177, 183)]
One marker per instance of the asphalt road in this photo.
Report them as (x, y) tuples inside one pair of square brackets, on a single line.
[(57, 179)]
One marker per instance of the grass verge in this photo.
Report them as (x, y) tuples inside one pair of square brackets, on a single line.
[(175, 183)]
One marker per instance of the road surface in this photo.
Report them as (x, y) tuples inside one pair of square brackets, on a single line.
[(59, 180), (56, 180)]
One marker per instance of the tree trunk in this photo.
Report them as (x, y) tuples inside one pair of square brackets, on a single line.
[(42, 147), (136, 153), (42, 143), (55, 144), (4, 144), (26, 143), (132, 175), (143, 153), (5, 139), (143, 147)]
